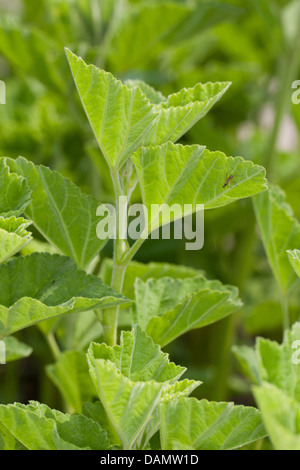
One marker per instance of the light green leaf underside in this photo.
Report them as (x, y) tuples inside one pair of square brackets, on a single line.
[(14, 191), (13, 236), (280, 231), (123, 118), (281, 415), (167, 308), (64, 215), (15, 349), (131, 380), (189, 424), (71, 376), (175, 174), (37, 427), (43, 286), (146, 271), (294, 257)]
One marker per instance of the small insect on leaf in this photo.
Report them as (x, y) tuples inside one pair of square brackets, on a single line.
[(228, 180)]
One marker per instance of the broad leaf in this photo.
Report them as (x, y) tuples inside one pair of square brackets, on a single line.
[(175, 175), (13, 236), (123, 118), (61, 212), (146, 271), (14, 191), (189, 424), (280, 231), (43, 286), (167, 308), (131, 380), (15, 349), (70, 375), (37, 427)]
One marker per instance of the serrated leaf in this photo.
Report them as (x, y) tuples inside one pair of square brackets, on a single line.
[(14, 191), (64, 215), (144, 271), (13, 236), (189, 424), (167, 308), (123, 119), (280, 231), (71, 376), (15, 349), (131, 379), (174, 174), (43, 286), (37, 427)]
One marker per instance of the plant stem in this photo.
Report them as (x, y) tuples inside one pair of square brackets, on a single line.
[(53, 345), (285, 311)]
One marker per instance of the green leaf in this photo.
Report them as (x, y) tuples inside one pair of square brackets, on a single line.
[(248, 361), (15, 349), (13, 236), (280, 231), (70, 375), (167, 308), (37, 427), (170, 174), (131, 380), (281, 415), (123, 118), (42, 286), (30, 52), (61, 212), (146, 271), (14, 191), (189, 424), (294, 257)]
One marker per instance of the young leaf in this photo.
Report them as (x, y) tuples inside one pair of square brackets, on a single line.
[(14, 191), (43, 286), (281, 415), (170, 174), (70, 375), (15, 349), (167, 308), (137, 376), (13, 236), (201, 425), (280, 231), (123, 118), (61, 212)]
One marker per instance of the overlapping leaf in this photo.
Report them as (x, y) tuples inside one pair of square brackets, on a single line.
[(167, 308), (294, 257), (280, 231), (37, 427), (13, 236), (61, 212), (189, 424), (176, 175), (124, 119), (131, 380), (146, 271), (43, 286)]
